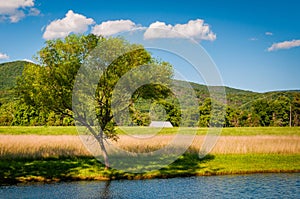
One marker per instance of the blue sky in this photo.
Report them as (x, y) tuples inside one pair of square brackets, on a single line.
[(255, 44)]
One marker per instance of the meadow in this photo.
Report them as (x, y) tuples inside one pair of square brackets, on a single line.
[(71, 130), (57, 153)]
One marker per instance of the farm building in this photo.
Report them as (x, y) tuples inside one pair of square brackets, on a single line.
[(160, 124)]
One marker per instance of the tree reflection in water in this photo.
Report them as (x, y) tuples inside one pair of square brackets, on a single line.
[(105, 192)]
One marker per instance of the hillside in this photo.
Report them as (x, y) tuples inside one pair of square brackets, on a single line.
[(244, 108), (8, 73), (11, 70)]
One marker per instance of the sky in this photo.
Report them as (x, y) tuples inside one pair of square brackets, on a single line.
[(255, 44)]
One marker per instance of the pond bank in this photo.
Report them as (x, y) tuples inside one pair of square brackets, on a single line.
[(13, 171)]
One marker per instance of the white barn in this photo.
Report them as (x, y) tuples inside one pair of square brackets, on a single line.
[(161, 124)]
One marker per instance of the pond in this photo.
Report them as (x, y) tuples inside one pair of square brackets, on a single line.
[(282, 185)]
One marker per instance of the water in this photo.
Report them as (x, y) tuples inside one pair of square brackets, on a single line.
[(235, 186)]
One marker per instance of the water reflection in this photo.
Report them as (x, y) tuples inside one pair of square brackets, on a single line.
[(235, 186), (105, 193)]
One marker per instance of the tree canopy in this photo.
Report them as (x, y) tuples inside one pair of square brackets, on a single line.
[(49, 86)]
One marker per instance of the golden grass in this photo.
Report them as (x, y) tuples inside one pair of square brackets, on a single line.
[(40, 146), (43, 146), (266, 144)]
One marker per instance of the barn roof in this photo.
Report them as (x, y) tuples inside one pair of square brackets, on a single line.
[(160, 124)]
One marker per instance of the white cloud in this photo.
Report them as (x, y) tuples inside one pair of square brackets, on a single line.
[(3, 56), (112, 27), (71, 23), (269, 33), (284, 45), (195, 29), (15, 10), (76, 23), (253, 39)]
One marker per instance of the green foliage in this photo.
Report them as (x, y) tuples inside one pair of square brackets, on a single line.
[(49, 85), (7, 111), (9, 72), (211, 114), (43, 95), (8, 76)]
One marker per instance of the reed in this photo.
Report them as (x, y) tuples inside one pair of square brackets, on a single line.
[(262, 144), (44, 146), (38, 146)]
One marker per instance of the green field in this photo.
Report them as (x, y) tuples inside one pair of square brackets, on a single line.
[(44, 154), (71, 130), (87, 168)]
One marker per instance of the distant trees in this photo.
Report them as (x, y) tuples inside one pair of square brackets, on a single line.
[(43, 95), (279, 110)]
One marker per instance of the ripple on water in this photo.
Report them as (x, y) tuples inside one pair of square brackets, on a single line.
[(230, 186)]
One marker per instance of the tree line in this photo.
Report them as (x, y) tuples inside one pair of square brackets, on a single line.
[(261, 112), (43, 92)]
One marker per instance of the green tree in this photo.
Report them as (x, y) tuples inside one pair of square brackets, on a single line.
[(49, 85), (262, 109), (232, 117), (211, 113), (6, 113), (205, 110), (295, 108), (280, 111)]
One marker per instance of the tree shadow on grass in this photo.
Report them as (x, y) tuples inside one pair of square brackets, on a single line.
[(45, 170), (186, 165), (88, 168)]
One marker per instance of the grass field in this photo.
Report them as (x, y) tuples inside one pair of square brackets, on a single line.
[(57, 153), (71, 130), (86, 168), (45, 146)]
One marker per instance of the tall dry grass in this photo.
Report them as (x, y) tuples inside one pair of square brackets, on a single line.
[(266, 144), (42, 146)]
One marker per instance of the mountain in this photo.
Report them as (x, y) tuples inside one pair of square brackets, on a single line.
[(11, 70), (245, 108)]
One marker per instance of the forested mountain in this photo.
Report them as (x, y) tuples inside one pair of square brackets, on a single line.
[(243, 108), (8, 73)]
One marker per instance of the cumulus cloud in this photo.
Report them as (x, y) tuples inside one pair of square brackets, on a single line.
[(195, 29), (269, 33), (76, 23), (284, 45), (15, 10), (112, 27), (71, 23), (3, 56)]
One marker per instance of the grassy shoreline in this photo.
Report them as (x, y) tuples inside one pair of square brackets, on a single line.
[(53, 154), (88, 168)]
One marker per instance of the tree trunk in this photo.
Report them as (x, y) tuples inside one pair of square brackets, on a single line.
[(103, 149), (99, 138)]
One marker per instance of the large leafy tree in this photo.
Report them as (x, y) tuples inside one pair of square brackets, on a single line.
[(50, 84)]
